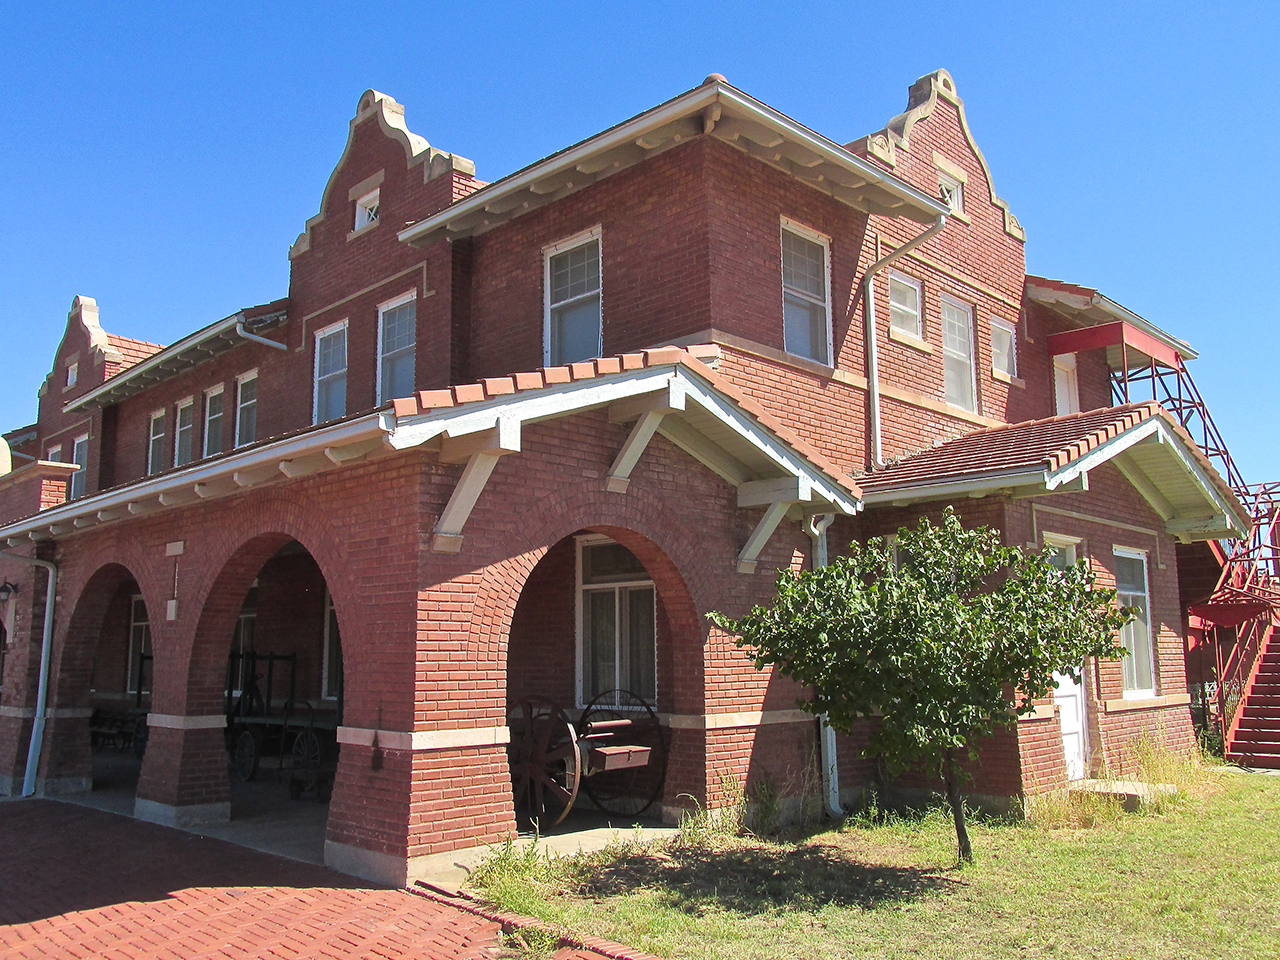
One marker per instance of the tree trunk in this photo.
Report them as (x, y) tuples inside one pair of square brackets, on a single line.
[(952, 771)]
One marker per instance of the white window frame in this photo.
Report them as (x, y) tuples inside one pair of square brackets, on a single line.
[(1066, 378), (156, 459), (321, 334), (412, 349), (73, 374), (246, 377), (580, 590), (973, 353), (999, 323), (185, 405), (330, 615), (786, 224), (146, 640), (951, 191), (80, 457), (368, 209), (219, 391), (553, 250), (1064, 544), (54, 454), (1133, 553), (893, 276)]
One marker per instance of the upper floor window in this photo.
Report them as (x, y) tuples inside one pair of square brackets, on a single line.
[(155, 445), (904, 305), (213, 400), (247, 408), (397, 326), (184, 430), (957, 354), (1131, 591), (1004, 348), (1066, 388), (55, 454), (806, 294), (572, 327), (951, 190), (367, 209), (73, 374), (80, 457), (331, 373)]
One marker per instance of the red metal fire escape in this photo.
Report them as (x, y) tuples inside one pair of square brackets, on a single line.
[(1239, 620)]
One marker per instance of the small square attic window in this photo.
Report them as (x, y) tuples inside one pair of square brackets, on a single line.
[(73, 374), (951, 191), (367, 210)]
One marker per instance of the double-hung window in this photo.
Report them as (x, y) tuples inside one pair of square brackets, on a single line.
[(184, 430), (155, 444), (572, 328), (617, 612), (80, 457), (806, 293), (331, 373), (957, 354), (139, 647), (397, 323), (247, 408), (331, 680), (1131, 591), (1004, 348), (1066, 386), (905, 314), (213, 400)]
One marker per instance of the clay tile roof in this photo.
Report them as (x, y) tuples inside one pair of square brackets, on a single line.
[(133, 351), (696, 357), (1035, 444)]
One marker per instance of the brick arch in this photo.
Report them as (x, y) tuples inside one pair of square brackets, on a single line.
[(235, 557), (639, 521)]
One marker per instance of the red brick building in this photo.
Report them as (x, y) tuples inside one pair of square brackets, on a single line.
[(518, 438)]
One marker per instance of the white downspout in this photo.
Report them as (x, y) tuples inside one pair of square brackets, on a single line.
[(46, 655), (869, 333), (817, 530), (242, 332)]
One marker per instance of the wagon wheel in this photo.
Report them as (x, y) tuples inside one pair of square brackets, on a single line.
[(306, 751), (247, 753), (632, 790), (546, 767), (139, 738)]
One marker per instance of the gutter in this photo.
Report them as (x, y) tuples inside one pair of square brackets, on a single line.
[(46, 656), (242, 332), (816, 528), (869, 333)]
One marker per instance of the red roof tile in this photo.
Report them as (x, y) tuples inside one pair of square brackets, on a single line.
[(133, 351)]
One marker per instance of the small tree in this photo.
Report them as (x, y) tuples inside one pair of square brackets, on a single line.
[(950, 639)]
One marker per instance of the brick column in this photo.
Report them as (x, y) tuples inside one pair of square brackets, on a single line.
[(184, 773)]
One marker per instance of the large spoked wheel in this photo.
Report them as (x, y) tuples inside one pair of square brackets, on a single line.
[(546, 767), (633, 790), (247, 754), (306, 751)]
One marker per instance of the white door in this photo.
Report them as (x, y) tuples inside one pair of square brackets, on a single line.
[(1069, 697)]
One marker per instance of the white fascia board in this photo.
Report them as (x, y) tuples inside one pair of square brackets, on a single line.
[(155, 360), (629, 131), (1146, 326), (315, 441), (766, 443), (983, 483)]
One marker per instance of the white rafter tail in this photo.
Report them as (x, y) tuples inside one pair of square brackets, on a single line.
[(500, 439), (760, 536), (619, 476), (352, 451), (758, 493), (448, 531), (670, 398)]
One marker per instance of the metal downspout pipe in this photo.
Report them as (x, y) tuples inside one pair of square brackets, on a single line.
[(816, 528), (869, 333), (242, 332), (46, 656)]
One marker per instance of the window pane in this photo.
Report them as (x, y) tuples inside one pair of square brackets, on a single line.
[(1131, 575), (959, 378), (641, 678), (332, 354), (397, 376), (1002, 355), (331, 398), (1136, 637), (904, 307), (213, 425), (603, 562), (398, 327), (957, 361), (803, 266), (79, 456), (184, 431), (599, 642), (333, 657), (247, 419), (575, 331), (155, 452), (805, 328), (575, 272)]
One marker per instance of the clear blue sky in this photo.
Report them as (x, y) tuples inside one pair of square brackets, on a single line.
[(163, 160)]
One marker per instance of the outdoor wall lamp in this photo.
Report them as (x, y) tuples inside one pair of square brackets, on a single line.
[(7, 590)]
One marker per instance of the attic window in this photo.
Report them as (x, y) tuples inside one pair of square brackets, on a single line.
[(73, 374), (951, 191), (367, 210)]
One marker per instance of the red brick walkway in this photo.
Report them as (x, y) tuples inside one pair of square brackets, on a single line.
[(80, 883)]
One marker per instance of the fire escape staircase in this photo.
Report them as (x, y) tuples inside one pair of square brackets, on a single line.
[(1243, 610)]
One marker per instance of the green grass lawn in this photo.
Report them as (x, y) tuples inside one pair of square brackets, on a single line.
[(1200, 878)]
